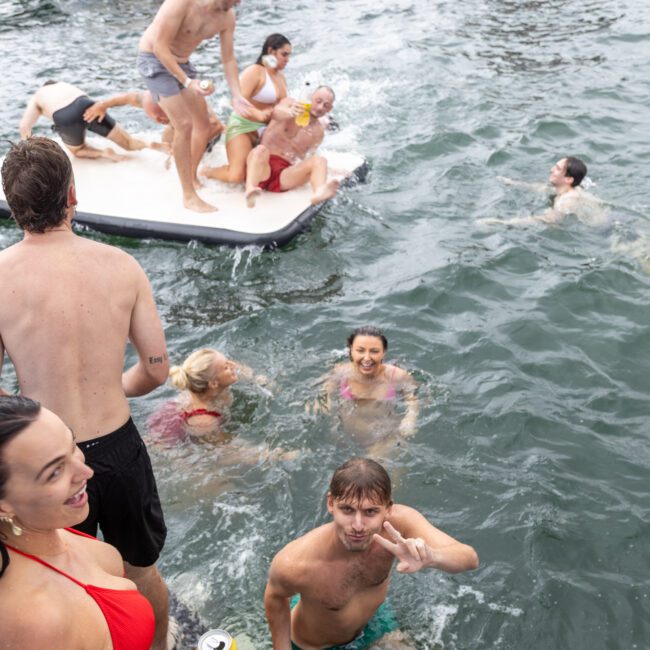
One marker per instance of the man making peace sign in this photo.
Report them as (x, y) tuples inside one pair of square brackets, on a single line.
[(338, 574)]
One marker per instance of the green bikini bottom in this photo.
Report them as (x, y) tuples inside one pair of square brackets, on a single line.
[(238, 125)]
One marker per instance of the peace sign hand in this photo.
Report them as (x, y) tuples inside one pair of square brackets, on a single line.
[(412, 554)]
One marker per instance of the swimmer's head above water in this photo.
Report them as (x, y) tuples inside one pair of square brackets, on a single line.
[(567, 173), (204, 371), (367, 347)]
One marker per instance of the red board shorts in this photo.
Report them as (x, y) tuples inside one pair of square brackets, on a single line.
[(272, 183)]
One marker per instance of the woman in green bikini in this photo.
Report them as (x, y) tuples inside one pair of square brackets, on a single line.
[(263, 84)]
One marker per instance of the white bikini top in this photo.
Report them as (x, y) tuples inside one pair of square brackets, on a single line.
[(267, 94)]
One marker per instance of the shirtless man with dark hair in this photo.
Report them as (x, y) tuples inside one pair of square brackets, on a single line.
[(163, 62), (68, 307), (341, 570), (567, 196)]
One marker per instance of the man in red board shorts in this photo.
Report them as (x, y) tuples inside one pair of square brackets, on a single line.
[(284, 159)]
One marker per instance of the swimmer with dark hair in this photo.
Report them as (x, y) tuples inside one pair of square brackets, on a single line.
[(365, 392), (567, 196), (66, 106)]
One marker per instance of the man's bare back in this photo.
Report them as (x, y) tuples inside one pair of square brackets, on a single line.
[(50, 98), (66, 309), (186, 23)]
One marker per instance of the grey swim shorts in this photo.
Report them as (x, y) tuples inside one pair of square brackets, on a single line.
[(160, 82)]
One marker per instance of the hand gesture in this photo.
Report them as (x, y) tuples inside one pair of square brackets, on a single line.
[(96, 111), (296, 108), (412, 554)]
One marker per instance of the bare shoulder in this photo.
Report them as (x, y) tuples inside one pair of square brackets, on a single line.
[(109, 253), (107, 556), (300, 559), (399, 374)]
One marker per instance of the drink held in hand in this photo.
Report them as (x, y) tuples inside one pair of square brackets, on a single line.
[(206, 84), (305, 100)]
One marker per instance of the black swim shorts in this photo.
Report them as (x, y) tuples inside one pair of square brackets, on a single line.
[(123, 496), (69, 122)]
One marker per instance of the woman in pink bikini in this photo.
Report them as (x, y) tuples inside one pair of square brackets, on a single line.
[(366, 390), (59, 588)]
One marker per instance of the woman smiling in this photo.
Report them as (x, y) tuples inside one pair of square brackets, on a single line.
[(59, 588)]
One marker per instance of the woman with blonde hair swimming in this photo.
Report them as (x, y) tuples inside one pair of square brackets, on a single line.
[(204, 380)]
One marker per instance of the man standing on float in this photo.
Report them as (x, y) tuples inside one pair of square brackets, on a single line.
[(163, 62)]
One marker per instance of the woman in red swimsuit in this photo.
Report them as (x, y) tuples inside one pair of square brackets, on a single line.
[(366, 390), (204, 379), (58, 588)]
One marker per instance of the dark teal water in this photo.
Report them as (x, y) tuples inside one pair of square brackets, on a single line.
[(531, 345)]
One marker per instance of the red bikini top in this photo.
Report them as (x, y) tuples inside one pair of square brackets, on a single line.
[(188, 414), (128, 613)]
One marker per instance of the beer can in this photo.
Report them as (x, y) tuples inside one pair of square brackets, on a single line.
[(216, 640)]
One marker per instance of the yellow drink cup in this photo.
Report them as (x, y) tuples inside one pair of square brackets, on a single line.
[(303, 118)]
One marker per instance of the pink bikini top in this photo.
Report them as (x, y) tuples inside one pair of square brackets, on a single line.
[(345, 391), (128, 613)]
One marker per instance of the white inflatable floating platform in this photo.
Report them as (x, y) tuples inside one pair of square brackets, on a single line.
[(141, 197)]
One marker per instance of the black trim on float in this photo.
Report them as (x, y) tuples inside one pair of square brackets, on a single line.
[(140, 228)]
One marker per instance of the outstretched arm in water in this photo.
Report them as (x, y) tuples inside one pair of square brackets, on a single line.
[(542, 188)]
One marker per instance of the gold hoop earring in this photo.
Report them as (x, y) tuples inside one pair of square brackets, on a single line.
[(15, 528)]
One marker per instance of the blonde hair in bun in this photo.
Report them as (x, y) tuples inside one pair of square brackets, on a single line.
[(195, 372)]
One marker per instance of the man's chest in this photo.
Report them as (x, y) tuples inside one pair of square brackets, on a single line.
[(339, 585)]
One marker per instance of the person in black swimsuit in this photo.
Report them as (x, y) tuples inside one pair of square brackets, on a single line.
[(65, 105)]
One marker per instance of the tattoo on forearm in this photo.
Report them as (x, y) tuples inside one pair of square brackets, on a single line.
[(161, 359)]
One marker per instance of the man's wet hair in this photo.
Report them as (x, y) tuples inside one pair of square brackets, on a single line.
[(575, 169), (49, 82), (361, 478), (36, 175)]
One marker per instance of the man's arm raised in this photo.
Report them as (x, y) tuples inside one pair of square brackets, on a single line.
[(417, 544), (277, 601), (148, 338)]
